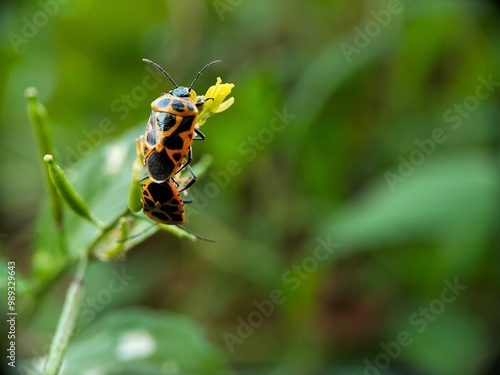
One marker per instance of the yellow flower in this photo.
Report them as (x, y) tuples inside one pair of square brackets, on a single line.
[(214, 100)]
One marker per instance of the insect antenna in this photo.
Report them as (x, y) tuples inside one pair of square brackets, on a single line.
[(201, 71), (196, 235), (121, 240), (161, 70)]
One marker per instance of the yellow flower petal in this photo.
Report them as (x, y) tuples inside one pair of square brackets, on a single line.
[(214, 100), (225, 105), (193, 95)]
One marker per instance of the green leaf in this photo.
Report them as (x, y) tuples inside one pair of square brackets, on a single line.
[(451, 343), (143, 342), (436, 199)]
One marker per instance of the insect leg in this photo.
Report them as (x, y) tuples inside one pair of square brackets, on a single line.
[(200, 135), (191, 181)]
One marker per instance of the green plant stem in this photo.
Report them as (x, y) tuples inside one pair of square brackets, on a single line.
[(42, 292), (71, 306), (67, 321)]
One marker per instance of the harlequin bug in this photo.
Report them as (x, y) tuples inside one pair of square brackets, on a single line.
[(170, 130), (162, 202)]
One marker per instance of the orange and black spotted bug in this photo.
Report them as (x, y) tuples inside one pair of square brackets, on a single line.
[(170, 130), (162, 202)]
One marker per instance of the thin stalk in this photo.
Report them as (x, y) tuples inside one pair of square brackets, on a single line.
[(67, 321)]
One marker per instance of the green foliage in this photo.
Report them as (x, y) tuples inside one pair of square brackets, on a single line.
[(435, 204), (346, 164), (143, 342)]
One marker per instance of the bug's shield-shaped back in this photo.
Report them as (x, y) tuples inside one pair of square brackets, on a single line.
[(159, 166), (162, 202)]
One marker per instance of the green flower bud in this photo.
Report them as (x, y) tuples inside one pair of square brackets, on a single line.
[(41, 126), (40, 120), (66, 191), (134, 196)]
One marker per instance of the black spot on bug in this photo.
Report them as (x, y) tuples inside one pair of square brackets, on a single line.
[(148, 202), (160, 215), (190, 107), (161, 192), (162, 103), (186, 124), (178, 106), (177, 156), (167, 208), (159, 167), (174, 142), (176, 218), (165, 120)]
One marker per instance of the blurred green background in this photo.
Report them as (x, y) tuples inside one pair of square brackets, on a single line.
[(353, 191)]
